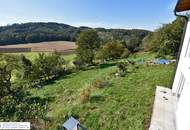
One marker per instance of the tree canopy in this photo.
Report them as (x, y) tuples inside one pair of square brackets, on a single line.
[(166, 40), (88, 43), (39, 32)]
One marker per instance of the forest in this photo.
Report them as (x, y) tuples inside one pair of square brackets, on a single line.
[(40, 32)]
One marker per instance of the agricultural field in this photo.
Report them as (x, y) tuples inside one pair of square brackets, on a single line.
[(60, 46), (125, 103)]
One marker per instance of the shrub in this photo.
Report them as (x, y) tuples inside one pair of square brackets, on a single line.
[(132, 62), (46, 67), (122, 74), (110, 51), (166, 39), (122, 66), (133, 43), (79, 64), (126, 53), (100, 83), (85, 95)]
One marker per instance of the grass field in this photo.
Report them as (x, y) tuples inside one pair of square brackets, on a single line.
[(126, 104), (33, 55)]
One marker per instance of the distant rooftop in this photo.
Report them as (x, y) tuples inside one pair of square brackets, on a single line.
[(182, 5)]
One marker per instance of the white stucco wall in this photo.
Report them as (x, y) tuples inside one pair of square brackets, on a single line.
[(183, 110), (181, 84), (182, 60)]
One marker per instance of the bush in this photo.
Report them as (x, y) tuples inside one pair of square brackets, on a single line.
[(133, 43), (47, 67), (166, 39), (85, 95), (100, 83), (122, 66), (125, 67), (111, 50), (126, 53), (122, 74), (132, 62), (79, 64)]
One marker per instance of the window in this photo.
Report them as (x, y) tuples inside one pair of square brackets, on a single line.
[(180, 84), (187, 53)]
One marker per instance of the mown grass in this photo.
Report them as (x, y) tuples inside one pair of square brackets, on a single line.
[(125, 104)]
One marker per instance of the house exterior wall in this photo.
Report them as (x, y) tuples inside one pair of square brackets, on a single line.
[(181, 85)]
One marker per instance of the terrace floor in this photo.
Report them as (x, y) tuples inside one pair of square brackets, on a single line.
[(163, 117)]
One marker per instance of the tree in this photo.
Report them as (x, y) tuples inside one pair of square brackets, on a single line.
[(112, 50), (26, 66), (166, 40), (5, 84), (46, 66), (132, 43), (88, 43), (16, 103)]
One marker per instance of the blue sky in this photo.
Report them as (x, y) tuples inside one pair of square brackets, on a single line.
[(144, 14)]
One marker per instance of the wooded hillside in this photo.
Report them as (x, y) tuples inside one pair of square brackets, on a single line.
[(39, 32)]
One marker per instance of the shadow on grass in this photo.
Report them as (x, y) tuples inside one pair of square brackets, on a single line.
[(107, 65), (97, 98), (40, 100), (56, 78)]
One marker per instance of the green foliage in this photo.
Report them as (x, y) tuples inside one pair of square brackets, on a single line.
[(112, 50), (46, 67), (26, 66), (39, 32), (88, 43), (133, 43), (16, 103), (122, 66), (126, 53), (79, 64), (166, 40)]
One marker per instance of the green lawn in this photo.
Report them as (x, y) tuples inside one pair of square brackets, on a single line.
[(33, 55), (126, 104), (146, 56)]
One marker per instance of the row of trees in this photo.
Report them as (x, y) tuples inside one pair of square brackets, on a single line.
[(44, 68), (16, 102), (17, 75), (165, 40)]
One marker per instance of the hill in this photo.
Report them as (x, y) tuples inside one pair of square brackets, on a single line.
[(40, 32)]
